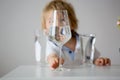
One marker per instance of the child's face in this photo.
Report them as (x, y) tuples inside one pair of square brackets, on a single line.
[(48, 21), (59, 22)]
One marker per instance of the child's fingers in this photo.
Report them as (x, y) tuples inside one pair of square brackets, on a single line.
[(107, 61), (103, 61), (99, 61), (54, 63)]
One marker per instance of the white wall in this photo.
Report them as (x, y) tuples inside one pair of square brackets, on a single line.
[(19, 19)]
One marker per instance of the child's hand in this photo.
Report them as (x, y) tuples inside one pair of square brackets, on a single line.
[(102, 61), (53, 61)]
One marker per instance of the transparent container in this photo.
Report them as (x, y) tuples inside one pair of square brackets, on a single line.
[(88, 47), (39, 48)]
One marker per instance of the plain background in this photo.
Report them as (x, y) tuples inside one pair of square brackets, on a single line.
[(20, 18)]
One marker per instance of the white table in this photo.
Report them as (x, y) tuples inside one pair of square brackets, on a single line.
[(34, 72)]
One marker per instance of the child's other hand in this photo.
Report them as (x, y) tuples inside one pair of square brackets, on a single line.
[(53, 61), (102, 61)]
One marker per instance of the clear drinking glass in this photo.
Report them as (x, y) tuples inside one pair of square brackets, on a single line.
[(37, 46), (88, 48), (59, 31), (39, 50)]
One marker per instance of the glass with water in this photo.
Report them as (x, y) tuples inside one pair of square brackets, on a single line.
[(88, 47)]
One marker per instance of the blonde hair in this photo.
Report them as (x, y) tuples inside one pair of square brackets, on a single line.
[(60, 5)]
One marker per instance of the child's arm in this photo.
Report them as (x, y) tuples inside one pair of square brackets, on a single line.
[(102, 61), (53, 61)]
